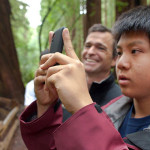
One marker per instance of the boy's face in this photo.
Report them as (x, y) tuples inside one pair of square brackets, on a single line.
[(133, 64)]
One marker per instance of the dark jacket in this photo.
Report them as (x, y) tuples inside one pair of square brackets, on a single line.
[(91, 128), (105, 91)]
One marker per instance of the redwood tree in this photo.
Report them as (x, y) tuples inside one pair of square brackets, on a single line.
[(93, 14), (11, 85)]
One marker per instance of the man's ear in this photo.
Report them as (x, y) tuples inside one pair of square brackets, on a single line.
[(113, 63)]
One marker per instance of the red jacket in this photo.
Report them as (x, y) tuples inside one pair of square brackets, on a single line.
[(88, 129)]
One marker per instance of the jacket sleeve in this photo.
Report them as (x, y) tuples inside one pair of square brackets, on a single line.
[(88, 129), (38, 134)]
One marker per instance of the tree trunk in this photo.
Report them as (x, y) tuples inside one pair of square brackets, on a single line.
[(127, 4), (11, 85), (93, 14)]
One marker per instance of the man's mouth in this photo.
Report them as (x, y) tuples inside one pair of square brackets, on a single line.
[(90, 60)]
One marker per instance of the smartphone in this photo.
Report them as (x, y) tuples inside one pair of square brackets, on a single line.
[(57, 41)]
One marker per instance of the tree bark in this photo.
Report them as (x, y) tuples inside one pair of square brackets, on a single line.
[(93, 14), (11, 85)]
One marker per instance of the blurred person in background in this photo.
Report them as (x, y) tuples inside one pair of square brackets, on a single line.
[(29, 96)]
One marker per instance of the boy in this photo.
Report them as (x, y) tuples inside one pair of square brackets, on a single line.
[(93, 128)]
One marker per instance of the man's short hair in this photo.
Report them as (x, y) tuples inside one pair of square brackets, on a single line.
[(136, 19), (100, 28)]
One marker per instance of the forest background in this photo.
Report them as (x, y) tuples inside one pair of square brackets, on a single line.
[(20, 44)]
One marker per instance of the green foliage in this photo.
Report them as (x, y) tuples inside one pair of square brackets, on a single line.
[(121, 5), (62, 13), (24, 40), (148, 2), (108, 12)]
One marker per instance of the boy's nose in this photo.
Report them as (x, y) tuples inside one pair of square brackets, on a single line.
[(123, 62)]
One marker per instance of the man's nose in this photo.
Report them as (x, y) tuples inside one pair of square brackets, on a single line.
[(91, 50)]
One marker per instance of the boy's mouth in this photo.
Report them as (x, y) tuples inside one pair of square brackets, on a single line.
[(121, 77), (123, 80)]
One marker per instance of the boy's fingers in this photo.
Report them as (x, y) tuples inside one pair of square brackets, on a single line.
[(57, 58), (51, 33), (40, 72), (39, 81), (68, 44), (50, 73), (44, 58), (54, 69)]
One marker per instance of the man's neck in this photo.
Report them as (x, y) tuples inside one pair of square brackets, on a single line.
[(96, 78)]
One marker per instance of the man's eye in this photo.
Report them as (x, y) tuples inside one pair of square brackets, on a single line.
[(101, 48), (87, 46)]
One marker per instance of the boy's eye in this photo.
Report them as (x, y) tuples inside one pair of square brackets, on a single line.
[(135, 51), (119, 53)]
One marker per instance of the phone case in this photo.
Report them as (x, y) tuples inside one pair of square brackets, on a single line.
[(57, 41)]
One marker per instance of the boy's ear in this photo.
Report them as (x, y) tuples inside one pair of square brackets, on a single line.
[(113, 63)]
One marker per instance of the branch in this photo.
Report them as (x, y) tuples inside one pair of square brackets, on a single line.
[(57, 22), (43, 21), (41, 26)]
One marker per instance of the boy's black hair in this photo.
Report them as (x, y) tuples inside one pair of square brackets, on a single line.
[(100, 28), (136, 19)]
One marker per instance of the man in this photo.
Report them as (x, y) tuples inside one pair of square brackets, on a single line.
[(98, 57), (29, 95)]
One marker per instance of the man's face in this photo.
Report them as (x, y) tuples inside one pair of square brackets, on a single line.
[(133, 64), (97, 54)]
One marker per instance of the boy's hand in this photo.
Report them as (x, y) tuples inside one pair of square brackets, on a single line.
[(68, 78), (44, 97)]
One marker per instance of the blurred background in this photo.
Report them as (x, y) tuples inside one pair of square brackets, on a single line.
[(24, 28)]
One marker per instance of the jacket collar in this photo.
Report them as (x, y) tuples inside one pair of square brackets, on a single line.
[(103, 84), (117, 109), (141, 139)]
